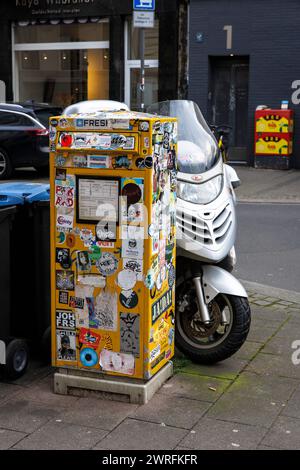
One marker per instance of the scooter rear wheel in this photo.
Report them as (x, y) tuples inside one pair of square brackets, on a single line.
[(226, 333)]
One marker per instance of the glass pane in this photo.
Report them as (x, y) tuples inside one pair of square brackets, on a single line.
[(63, 78), (10, 119), (151, 87), (151, 42), (44, 114), (74, 32)]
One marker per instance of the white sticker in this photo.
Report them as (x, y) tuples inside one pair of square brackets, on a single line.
[(98, 161), (155, 353), (87, 237), (92, 280), (64, 222), (132, 231), (117, 362), (64, 196), (133, 248), (155, 243), (135, 265), (82, 314), (66, 345), (80, 140), (103, 141), (107, 264), (126, 279), (106, 230), (52, 133), (120, 124), (132, 241), (134, 213), (104, 316), (159, 281)]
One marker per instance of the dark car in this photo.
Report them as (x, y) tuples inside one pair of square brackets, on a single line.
[(24, 136)]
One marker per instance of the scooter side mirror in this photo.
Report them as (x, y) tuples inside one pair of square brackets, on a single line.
[(236, 183), (232, 176)]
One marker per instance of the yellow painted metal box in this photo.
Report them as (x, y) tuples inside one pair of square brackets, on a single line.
[(113, 194)]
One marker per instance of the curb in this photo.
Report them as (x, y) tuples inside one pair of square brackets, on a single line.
[(269, 291), (278, 202)]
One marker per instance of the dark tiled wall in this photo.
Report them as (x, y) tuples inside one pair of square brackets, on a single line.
[(266, 31)]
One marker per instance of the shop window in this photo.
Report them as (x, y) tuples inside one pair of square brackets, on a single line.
[(74, 32), (61, 64)]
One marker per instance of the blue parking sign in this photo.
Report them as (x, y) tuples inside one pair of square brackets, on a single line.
[(145, 5)]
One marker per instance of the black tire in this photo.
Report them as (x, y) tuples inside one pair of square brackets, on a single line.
[(226, 345), (6, 168), (17, 356)]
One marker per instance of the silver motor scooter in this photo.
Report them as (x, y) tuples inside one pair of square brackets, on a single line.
[(212, 309)]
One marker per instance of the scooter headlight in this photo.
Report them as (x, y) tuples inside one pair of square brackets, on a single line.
[(201, 193)]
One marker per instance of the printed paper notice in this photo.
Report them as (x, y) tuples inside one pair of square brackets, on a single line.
[(98, 199)]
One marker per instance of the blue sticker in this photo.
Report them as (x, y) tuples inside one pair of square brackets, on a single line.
[(88, 357)]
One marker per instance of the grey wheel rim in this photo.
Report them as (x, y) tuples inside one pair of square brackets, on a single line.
[(20, 360), (209, 344), (2, 163)]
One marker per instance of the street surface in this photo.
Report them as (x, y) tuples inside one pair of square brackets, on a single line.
[(268, 244)]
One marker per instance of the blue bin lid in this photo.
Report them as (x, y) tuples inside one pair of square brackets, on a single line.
[(19, 193)]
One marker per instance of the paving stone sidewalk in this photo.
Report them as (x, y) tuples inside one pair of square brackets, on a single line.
[(250, 401)]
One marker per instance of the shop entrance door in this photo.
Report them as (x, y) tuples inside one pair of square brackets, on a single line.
[(228, 101), (133, 64), (132, 84)]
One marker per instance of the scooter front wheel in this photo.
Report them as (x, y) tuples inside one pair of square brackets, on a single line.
[(218, 340)]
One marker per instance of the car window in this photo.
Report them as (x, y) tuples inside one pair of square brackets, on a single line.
[(12, 119), (43, 115), (27, 122)]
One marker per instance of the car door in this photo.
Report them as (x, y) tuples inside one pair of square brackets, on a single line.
[(16, 137)]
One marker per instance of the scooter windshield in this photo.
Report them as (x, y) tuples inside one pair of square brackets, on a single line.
[(197, 147)]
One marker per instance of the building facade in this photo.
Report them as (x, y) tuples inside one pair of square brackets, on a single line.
[(243, 54), (63, 51), (227, 55)]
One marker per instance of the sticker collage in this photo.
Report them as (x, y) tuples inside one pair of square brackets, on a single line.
[(113, 195)]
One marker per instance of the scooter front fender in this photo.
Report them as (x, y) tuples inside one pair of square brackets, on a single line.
[(216, 281)]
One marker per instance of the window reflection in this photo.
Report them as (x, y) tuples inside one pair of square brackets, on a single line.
[(75, 32), (63, 77), (151, 42)]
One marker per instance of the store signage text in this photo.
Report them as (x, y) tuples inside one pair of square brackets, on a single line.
[(91, 123), (36, 3), (161, 305)]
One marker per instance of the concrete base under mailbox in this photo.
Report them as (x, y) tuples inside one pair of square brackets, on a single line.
[(79, 382)]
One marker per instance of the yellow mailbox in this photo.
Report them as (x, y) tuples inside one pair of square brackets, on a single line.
[(113, 192)]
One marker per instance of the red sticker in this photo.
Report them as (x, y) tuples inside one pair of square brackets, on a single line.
[(89, 338), (66, 140)]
